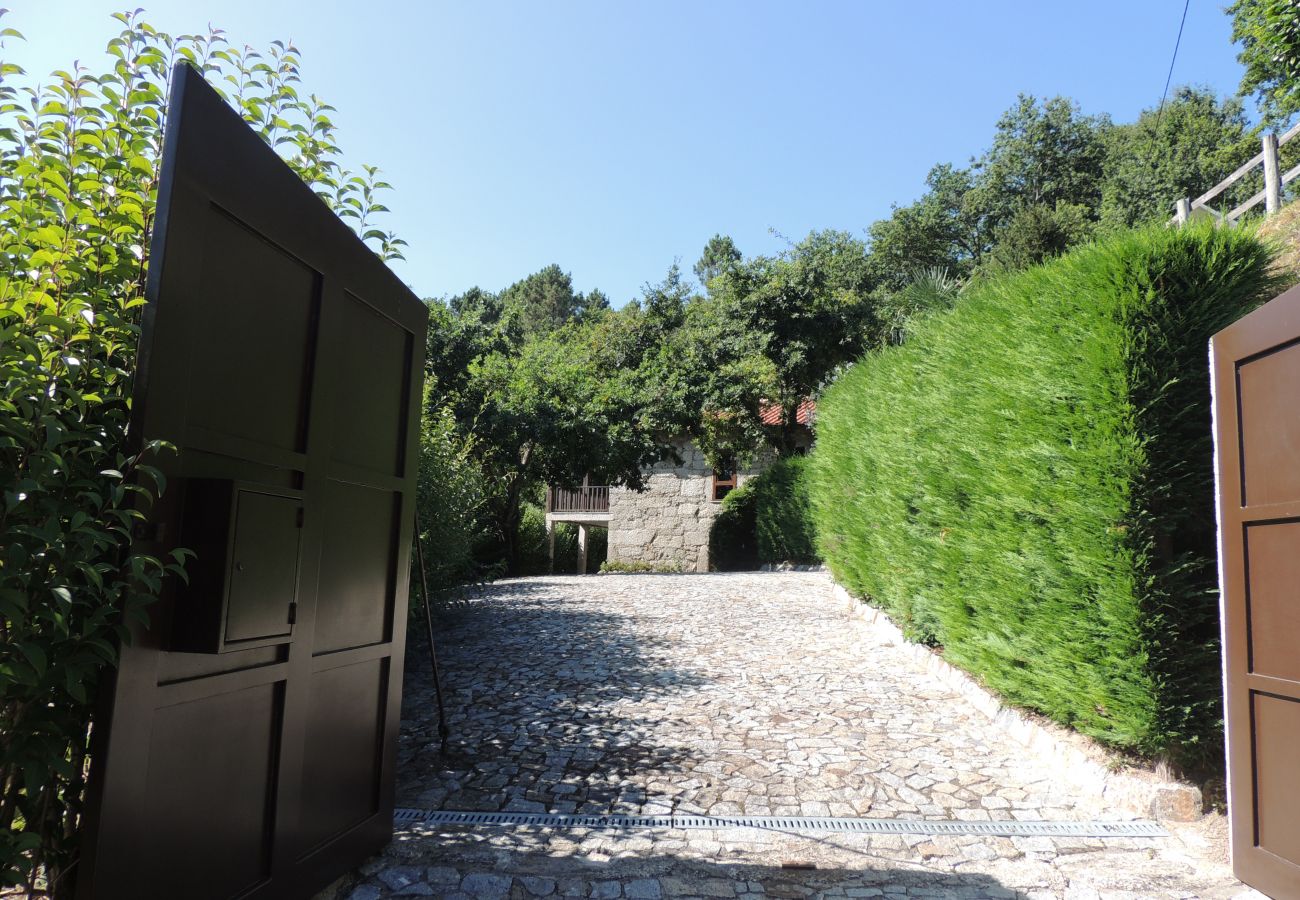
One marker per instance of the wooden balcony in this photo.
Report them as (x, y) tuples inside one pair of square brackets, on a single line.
[(585, 507), (587, 500)]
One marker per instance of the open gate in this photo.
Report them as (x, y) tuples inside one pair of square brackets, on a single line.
[(1255, 365), (251, 740)]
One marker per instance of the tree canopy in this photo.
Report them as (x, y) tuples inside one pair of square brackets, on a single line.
[(537, 381), (546, 385), (1054, 177), (1269, 34), (546, 300), (1178, 151)]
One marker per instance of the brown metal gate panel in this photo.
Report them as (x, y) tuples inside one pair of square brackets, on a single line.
[(250, 743), (1256, 373)]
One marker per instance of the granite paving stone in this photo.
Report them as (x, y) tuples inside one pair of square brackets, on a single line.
[(729, 694)]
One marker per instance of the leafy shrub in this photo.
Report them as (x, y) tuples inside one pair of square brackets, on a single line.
[(1028, 482), (78, 181), (733, 545), (534, 555), (635, 567), (451, 497), (767, 519), (783, 513)]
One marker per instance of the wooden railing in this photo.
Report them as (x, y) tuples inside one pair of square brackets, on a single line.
[(1270, 196), (585, 499)]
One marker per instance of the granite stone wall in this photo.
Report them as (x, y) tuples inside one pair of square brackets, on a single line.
[(668, 523)]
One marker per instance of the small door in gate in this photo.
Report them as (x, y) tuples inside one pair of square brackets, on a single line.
[(251, 741), (1255, 366)]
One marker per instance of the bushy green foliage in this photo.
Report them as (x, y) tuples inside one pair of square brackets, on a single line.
[(546, 300), (1055, 177), (1269, 34), (926, 292), (1034, 191), (451, 502), (1179, 150), (768, 519), (78, 181), (783, 519), (1028, 482), (532, 554), (534, 550), (541, 408), (806, 311), (733, 541), (638, 567)]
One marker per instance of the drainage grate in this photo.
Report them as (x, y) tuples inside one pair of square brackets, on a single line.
[(782, 823)]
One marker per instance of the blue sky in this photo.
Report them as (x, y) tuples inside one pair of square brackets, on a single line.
[(612, 137)]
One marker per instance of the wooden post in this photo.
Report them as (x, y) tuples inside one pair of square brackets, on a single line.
[(1182, 211), (582, 549), (550, 545), (1272, 180)]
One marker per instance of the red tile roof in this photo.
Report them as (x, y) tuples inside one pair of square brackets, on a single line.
[(770, 413)]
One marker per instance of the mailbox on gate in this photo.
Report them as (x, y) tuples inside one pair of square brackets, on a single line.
[(242, 590)]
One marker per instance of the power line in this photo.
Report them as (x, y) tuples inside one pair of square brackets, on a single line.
[(1170, 76)]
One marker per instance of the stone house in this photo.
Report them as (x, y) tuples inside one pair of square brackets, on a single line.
[(668, 523)]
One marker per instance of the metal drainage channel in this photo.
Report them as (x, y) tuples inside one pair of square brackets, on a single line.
[(782, 823)]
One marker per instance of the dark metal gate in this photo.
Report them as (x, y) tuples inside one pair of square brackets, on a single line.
[(251, 741), (1256, 372)]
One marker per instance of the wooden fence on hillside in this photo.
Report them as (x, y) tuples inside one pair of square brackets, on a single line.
[(1270, 196)]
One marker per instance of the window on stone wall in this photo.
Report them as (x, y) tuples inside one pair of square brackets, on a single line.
[(723, 483)]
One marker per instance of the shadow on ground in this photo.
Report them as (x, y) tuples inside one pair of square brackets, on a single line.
[(551, 706), (463, 865)]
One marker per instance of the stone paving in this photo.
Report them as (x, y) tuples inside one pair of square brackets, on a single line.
[(728, 694)]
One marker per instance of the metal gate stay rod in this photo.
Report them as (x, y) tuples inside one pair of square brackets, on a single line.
[(433, 650)]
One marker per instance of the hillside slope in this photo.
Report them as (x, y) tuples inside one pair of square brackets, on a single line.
[(1284, 229)]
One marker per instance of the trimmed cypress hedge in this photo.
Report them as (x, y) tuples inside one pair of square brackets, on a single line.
[(1028, 482), (783, 513)]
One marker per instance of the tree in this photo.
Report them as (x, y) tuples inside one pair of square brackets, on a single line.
[(537, 408), (1037, 189), (1269, 34), (786, 323), (1180, 151), (1044, 153), (461, 330), (719, 254), (940, 230), (1039, 232), (451, 498), (701, 368), (546, 300)]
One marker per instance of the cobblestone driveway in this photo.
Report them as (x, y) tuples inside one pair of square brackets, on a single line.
[(728, 694)]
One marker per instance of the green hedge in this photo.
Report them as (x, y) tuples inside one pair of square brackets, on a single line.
[(733, 546), (1028, 482), (783, 513)]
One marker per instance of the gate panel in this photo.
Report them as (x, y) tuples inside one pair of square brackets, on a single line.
[(250, 743), (1255, 366)]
